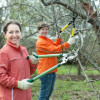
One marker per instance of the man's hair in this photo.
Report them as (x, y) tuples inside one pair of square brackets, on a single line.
[(42, 24)]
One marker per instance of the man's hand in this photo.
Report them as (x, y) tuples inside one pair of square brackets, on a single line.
[(71, 40)]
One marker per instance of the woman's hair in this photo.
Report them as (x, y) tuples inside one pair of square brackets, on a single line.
[(42, 24), (8, 23)]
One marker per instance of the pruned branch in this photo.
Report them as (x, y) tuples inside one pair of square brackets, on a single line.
[(89, 10)]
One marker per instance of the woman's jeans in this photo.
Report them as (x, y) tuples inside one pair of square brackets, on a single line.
[(47, 85)]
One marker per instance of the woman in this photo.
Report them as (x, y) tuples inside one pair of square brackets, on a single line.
[(45, 46), (15, 69)]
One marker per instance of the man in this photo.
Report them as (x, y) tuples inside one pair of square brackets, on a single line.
[(46, 46)]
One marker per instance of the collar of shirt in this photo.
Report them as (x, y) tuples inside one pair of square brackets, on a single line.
[(12, 45)]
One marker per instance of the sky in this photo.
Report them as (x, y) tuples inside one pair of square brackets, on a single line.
[(97, 2)]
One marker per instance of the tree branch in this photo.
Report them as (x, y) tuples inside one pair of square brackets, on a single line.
[(83, 16)]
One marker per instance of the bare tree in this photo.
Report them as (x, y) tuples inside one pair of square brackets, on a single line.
[(1, 24)]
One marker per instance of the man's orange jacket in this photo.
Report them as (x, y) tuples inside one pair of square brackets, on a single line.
[(46, 46)]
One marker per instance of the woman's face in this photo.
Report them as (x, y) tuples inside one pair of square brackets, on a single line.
[(13, 34), (43, 31)]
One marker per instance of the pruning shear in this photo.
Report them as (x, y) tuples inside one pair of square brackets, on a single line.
[(71, 22), (65, 58)]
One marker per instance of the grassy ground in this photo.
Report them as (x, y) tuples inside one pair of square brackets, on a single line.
[(69, 86)]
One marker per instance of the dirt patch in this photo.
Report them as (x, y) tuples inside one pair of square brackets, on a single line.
[(77, 77)]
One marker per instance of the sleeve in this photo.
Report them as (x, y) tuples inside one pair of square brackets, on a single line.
[(5, 79), (51, 47), (33, 67), (59, 41)]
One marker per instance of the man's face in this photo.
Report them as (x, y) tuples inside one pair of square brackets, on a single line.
[(43, 31)]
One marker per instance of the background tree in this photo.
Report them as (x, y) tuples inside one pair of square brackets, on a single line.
[(57, 13)]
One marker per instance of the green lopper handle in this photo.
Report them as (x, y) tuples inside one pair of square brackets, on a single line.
[(44, 56), (44, 73)]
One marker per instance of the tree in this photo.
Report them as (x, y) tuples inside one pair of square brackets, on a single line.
[(57, 13), (92, 15), (1, 24)]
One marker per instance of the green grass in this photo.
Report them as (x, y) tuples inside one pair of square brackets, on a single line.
[(67, 90), (65, 69), (72, 69), (95, 72)]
